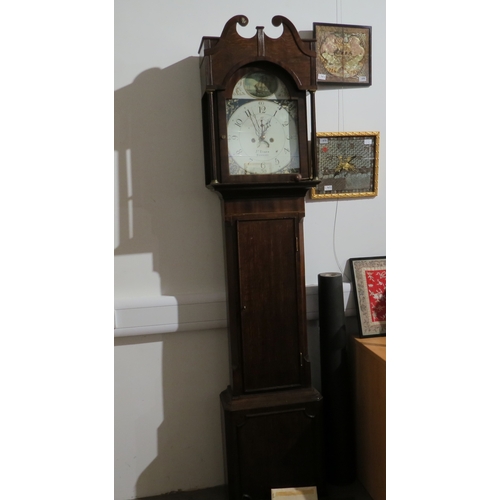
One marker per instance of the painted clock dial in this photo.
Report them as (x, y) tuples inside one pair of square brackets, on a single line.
[(262, 127)]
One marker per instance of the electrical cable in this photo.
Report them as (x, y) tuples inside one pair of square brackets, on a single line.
[(340, 128)]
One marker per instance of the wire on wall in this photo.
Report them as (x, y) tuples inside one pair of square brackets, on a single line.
[(340, 128)]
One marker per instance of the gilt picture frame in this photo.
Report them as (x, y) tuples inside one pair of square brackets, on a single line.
[(347, 165), (344, 54), (369, 289)]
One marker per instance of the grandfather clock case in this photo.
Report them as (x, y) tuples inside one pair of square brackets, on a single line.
[(259, 161)]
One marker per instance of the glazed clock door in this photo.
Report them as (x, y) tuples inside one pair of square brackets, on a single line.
[(259, 117), (269, 262)]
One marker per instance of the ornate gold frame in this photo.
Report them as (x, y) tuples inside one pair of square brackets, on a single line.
[(331, 163)]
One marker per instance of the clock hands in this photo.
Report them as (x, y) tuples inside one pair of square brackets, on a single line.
[(260, 128), (255, 123), (263, 130)]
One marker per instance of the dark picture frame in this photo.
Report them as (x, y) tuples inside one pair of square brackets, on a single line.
[(344, 54), (347, 164), (369, 288)]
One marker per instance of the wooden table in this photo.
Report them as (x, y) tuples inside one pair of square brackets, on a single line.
[(369, 367)]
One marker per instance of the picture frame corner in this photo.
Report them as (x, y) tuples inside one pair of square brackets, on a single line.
[(370, 303)]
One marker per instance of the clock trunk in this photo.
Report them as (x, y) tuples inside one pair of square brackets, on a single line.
[(266, 290)]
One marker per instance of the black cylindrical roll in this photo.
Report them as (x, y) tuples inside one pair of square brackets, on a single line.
[(336, 381)]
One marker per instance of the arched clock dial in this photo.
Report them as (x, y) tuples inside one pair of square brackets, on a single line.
[(262, 136)]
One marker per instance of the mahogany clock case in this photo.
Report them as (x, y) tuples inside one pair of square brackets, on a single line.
[(271, 414)]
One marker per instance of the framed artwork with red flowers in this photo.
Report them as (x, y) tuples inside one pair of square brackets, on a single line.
[(369, 287), (347, 164)]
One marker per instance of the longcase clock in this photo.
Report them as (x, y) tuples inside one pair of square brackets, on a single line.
[(258, 160)]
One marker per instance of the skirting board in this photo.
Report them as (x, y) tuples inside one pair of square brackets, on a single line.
[(192, 312)]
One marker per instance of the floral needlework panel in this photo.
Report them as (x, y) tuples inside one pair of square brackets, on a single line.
[(376, 282), (369, 283)]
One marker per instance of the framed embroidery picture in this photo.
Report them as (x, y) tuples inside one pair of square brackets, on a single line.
[(343, 54), (369, 287), (347, 164)]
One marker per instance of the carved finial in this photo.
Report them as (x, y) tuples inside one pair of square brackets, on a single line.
[(276, 20), (230, 26)]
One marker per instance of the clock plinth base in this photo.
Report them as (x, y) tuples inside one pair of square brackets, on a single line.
[(272, 440)]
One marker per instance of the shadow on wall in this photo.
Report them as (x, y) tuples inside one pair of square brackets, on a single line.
[(163, 206), (164, 209), (189, 440)]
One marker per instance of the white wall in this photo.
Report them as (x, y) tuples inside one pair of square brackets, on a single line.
[(168, 234)]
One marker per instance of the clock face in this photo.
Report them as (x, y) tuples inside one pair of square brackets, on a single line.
[(262, 126), (262, 136)]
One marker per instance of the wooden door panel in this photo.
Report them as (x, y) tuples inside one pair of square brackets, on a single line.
[(267, 257), (277, 450)]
